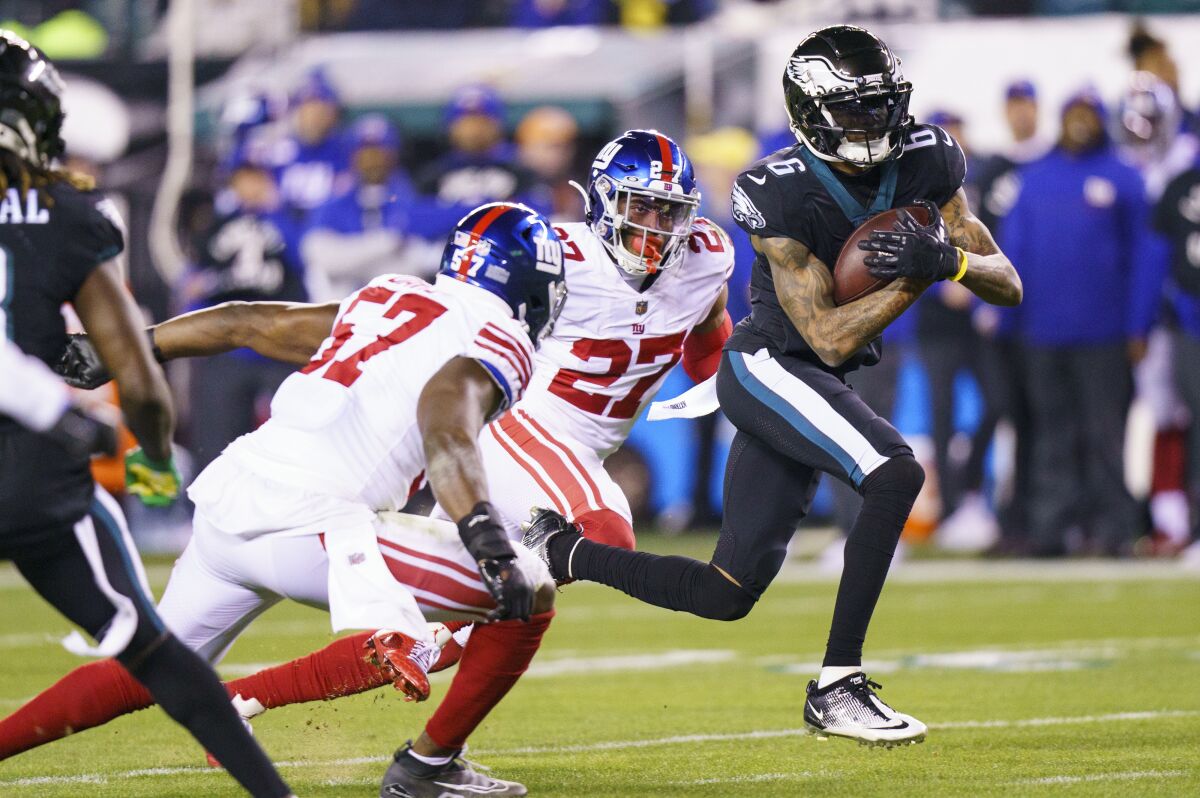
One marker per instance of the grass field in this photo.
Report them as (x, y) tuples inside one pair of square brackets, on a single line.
[(1035, 678)]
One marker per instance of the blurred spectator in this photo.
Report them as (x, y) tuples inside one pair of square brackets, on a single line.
[(1150, 54), (1177, 217), (481, 166), (249, 254), (547, 140), (1146, 128), (1000, 367), (949, 346), (547, 13), (311, 164), (379, 226), (1078, 231)]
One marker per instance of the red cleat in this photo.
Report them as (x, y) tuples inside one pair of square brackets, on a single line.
[(404, 659)]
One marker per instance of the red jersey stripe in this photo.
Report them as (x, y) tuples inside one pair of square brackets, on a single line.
[(523, 349), (507, 357), (552, 463), (570, 455), (519, 457), (435, 583), (523, 366), (433, 558)]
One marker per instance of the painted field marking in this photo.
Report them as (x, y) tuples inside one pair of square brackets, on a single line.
[(1131, 775), (616, 745)]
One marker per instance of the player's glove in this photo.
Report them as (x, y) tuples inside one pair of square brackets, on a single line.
[(911, 249), (83, 434), (156, 484), (80, 365), (484, 537)]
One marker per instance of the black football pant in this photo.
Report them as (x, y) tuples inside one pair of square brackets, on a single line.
[(794, 422), (90, 573)]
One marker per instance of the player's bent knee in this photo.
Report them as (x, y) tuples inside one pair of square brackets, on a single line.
[(607, 527), (543, 600), (900, 474), (722, 600)]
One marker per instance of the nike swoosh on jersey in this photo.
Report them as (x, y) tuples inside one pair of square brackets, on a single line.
[(762, 181)]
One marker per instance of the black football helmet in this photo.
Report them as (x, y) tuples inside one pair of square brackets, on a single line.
[(846, 96), (30, 102)]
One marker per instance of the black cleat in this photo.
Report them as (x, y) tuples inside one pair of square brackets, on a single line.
[(409, 777), (849, 708), (543, 527)]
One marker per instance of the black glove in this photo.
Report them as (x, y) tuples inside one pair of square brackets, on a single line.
[(83, 435), (483, 535), (80, 364), (910, 249)]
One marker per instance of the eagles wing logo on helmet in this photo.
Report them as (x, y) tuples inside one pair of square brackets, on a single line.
[(744, 210)]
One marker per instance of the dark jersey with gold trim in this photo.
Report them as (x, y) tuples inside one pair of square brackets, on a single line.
[(782, 197), (50, 241)]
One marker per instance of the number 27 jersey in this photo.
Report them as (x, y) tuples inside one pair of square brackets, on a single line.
[(613, 345)]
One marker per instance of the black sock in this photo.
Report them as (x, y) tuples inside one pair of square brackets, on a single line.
[(888, 496), (188, 690), (676, 583)]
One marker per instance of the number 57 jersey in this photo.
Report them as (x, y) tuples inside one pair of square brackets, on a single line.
[(344, 427), (609, 352)]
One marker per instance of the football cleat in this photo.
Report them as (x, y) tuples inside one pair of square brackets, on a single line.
[(543, 527), (850, 708), (404, 659), (409, 777)]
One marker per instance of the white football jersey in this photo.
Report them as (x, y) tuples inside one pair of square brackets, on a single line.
[(613, 345), (346, 424)]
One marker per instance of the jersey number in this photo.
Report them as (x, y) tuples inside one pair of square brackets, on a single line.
[(566, 383), (414, 312)]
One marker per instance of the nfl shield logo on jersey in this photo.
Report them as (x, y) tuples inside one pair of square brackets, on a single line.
[(641, 307)]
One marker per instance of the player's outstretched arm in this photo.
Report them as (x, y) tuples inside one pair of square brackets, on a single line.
[(804, 286), (451, 412), (287, 331), (113, 321), (990, 274)]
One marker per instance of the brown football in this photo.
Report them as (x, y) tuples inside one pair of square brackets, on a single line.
[(851, 278)]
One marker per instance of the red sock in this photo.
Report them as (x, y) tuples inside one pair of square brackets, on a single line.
[(339, 669), (494, 658), (88, 696), (607, 527)]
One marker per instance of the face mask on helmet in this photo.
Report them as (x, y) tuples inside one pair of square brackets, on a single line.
[(645, 230)]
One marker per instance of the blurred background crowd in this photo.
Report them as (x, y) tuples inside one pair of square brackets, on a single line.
[(293, 150)]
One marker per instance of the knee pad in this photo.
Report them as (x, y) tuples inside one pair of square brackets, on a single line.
[(900, 474), (607, 527)]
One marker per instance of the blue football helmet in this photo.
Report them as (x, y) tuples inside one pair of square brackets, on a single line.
[(511, 250), (641, 200)]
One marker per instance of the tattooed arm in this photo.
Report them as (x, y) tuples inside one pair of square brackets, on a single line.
[(990, 274), (804, 286)]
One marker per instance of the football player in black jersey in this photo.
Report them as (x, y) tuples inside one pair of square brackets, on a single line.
[(58, 241), (782, 377)]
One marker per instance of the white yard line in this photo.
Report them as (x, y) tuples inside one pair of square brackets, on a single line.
[(620, 745), (1131, 775)]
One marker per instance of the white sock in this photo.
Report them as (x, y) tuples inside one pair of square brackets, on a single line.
[(831, 673), (434, 761)]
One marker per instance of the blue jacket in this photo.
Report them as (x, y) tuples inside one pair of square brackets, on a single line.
[(310, 174), (1078, 235), (404, 211)]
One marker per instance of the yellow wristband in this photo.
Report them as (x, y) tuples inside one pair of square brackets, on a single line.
[(962, 265)]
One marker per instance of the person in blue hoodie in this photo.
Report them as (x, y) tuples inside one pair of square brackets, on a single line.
[(249, 254), (481, 165), (1080, 230), (312, 163)]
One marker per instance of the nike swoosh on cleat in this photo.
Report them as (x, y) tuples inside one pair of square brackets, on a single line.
[(903, 725), (820, 715), (495, 786)]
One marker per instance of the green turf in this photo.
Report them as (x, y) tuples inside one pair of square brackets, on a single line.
[(1015, 672)]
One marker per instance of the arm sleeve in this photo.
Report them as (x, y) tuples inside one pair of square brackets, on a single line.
[(30, 392), (507, 355)]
